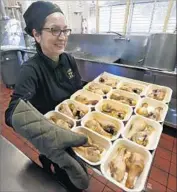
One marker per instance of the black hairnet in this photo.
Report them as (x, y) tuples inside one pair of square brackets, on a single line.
[(36, 14)]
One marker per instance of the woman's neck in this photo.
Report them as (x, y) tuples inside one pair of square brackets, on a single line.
[(54, 58)]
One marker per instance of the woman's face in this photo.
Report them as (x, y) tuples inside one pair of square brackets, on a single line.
[(53, 45)]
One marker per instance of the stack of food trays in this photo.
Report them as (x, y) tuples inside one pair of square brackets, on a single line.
[(123, 120)]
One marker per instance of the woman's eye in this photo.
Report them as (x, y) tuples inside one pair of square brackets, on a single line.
[(65, 31), (56, 30)]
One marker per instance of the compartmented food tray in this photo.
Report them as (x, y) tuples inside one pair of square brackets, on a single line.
[(140, 181), (86, 97), (152, 109), (112, 126), (124, 97), (108, 79), (160, 93), (131, 87), (98, 140), (113, 84), (57, 116), (80, 110), (136, 81), (143, 131), (115, 109), (111, 75), (98, 88)]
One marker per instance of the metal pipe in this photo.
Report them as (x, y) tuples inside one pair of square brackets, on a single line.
[(13, 12), (170, 5), (110, 18), (152, 15), (2, 9), (120, 36), (130, 17), (97, 16), (11, 7), (126, 17), (115, 33)]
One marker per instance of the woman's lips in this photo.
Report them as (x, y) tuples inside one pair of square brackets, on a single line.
[(59, 45)]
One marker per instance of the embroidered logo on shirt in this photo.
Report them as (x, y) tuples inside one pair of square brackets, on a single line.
[(70, 74)]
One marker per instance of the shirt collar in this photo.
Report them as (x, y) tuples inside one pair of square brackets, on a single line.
[(49, 62)]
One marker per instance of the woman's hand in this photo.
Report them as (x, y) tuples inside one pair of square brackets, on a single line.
[(50, 140)]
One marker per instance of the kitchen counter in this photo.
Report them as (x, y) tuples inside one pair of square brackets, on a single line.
[(18, 173), (110, 61)]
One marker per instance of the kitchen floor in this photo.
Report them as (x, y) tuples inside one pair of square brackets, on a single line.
[(163, 174)]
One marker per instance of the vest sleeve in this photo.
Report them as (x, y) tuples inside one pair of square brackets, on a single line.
[(25, 88)]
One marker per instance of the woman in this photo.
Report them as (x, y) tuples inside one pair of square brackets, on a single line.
[(51, 76)]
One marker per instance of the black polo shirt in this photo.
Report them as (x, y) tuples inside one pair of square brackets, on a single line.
[(45, 83)]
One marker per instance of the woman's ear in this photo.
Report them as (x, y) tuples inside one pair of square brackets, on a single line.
[(36, 35)]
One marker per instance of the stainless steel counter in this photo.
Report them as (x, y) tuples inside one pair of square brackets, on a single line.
[(171, 118), (18, 173), (88, 57), (153, 50), (108, 61)]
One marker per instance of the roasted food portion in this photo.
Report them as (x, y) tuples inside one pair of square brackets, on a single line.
[(85, 100), (90, 151), (125, 161), (150, 112), (106, 129), (135, 165), (72, 110), (60, 122), (107, 80), (123, 99), (158, 94), (140, 132), (97, 88), (129, 88), (109, 110), (118, 166)]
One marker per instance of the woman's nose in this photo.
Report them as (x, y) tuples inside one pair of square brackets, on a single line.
[(62, 36)]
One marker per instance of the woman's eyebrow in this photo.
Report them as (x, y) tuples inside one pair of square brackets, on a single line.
[(59, 27)]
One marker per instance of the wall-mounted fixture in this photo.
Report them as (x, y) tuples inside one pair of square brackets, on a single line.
[(120, 36)]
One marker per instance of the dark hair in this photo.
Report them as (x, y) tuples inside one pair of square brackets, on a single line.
[(39, 30), (37, 45), (40, 27), (36, 14)]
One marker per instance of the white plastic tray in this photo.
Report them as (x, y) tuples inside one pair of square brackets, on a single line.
[(101, 85), (88, 94), (133, 85), (135, 81), (109, 75), (99, 140), (81, 106), (117, 105), (141, 181), (125, 94), (153, 138), (60, 116), (152, 103), (104, 118), (168, 90)]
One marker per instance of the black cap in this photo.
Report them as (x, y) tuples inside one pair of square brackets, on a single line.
[(36, 14)]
